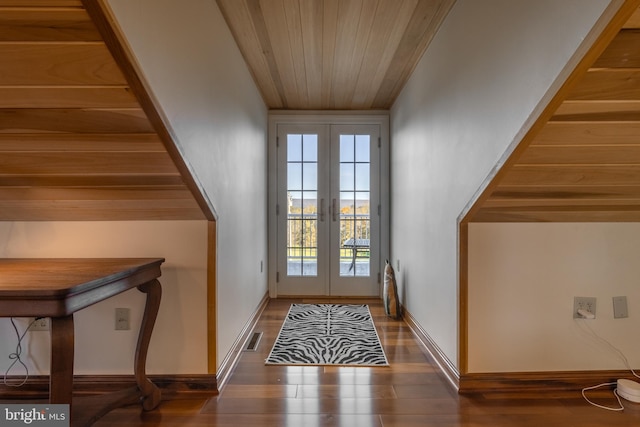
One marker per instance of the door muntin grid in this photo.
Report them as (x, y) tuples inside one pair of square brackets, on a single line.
[(355, 205), (302, 205)]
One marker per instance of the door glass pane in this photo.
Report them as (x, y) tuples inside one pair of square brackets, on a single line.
[(355, 211), (347, 177), (302, 205), (294, 148)]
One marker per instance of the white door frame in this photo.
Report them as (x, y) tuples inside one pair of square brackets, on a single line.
[(380, 118)]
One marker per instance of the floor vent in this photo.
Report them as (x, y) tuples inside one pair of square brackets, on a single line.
[(252, 344)]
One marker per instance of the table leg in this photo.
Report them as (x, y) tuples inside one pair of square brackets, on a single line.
[(353, 258), (61, 374), (150, 392)]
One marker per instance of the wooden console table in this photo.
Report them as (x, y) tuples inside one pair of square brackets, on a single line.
[(57, 288)]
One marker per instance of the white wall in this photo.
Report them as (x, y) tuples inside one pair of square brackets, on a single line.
[(529, 274), (197, 74), (179, 340), (469, 99)]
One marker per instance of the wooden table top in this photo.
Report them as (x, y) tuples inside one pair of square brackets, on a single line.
[(52, 287)]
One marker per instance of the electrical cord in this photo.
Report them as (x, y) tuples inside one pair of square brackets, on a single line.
[(621, 408), (613, 348), (15, 356), (621, 355)]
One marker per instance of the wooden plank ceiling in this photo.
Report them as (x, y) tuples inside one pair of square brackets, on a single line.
[(584, 163), (332, 54), (75, 143)]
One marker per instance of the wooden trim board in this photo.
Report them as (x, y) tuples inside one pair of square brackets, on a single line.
[(37, 386), (448, 369), (536, 382), (212, 307), (230, 361)]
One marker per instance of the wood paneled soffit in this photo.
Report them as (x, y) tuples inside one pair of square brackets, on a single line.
[(76, 142), (583, 162)]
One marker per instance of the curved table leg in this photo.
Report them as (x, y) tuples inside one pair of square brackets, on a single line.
[(151, 394)]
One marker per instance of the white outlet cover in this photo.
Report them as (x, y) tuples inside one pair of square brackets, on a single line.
[(620, 309)]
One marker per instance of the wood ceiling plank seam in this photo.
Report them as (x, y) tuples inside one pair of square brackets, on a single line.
[(103, 18), (74, 121), (632, 115), (62, 86), (577, 208), (575, 108), (540, 202), (68, 149), (134, 204), (296, 49), (312, 24), (363, 39), (43, 163), (276, 32), (575, 154), (573, 175), (533, 186), (109, 193), (41, 3), (257, 18), (145, 142), (52, 97), (420, 30), (569, 133), (37, 9), (238, 18), (89, 180), (46, 24), (622, 52), (608, 146), (85, 63), (329, 33), (405, 12), (539, 217), (608, 84), (101, 212), (562, 192), (349, 14), (387, 35)]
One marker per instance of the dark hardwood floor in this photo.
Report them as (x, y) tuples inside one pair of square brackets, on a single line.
[(409, 393)]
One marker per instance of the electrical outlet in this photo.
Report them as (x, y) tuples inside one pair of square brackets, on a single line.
[(41, 324), (122, 319), (620, 307), (584, 303)]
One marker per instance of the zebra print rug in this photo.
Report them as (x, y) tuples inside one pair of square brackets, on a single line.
[(328, 334)]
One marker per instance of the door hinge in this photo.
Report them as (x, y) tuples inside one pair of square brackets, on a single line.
[(277, 209), (379, 278), (277, 141), (379, 210), (277, 276), (379, 142)]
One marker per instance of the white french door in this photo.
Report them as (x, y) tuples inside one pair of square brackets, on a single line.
[(328, 209)]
